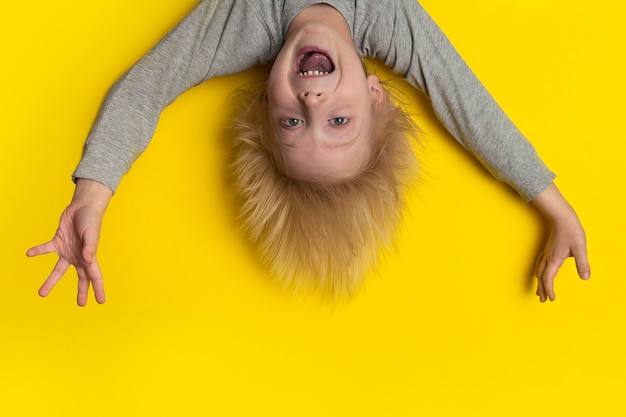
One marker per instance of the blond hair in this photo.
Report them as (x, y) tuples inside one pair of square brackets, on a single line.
[(327, 236)]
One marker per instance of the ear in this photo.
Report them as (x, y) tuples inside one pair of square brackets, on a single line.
[(378, 92)]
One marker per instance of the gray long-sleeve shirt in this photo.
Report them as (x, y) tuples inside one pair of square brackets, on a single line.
[(222, 37)]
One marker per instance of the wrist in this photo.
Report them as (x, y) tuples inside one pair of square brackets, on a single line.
[(553, 205), (91, 193)]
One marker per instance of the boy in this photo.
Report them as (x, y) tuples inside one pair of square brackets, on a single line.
[(323, 134)]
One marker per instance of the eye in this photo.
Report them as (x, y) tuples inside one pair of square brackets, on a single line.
[(339, 121), (291, 122)]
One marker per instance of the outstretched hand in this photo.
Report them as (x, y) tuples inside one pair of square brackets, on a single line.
[(76, 241), (567, 239)]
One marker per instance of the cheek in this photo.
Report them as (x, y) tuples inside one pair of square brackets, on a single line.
[(293, 163), (278, 75), (276, 95)]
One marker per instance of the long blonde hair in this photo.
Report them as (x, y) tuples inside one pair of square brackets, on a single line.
[(327, 236)]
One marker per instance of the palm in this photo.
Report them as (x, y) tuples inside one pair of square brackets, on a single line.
[(69, 239)]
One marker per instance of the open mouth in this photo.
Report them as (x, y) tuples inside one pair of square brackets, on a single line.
[(314, 62)]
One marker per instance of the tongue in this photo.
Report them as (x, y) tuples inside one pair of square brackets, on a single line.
[(316, 61)]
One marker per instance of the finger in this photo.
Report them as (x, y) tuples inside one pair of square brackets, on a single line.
[(540, 290), (582, 262), (57, 273), (548, 278), (44, 248), (539, 271), (83, 288), (97, 283), (540, 265)]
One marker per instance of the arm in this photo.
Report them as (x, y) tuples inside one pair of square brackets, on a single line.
[(405, 37), (76, 241), (419, 50), (567, 239), (198, 48), (206, 43)]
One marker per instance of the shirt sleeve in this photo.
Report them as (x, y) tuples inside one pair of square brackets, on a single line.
[(209, 42), (404, 36)]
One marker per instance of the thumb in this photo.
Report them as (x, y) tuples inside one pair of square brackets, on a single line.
[(90, 246), (582, 263)]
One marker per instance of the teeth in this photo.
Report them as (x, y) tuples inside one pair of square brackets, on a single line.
[(316, 72)]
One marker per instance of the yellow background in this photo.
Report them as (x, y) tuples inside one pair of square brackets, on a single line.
[(193, 326)]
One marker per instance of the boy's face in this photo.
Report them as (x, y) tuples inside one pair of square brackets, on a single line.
[(321, 105)]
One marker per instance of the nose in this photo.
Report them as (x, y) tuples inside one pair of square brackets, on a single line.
[(311, 97)]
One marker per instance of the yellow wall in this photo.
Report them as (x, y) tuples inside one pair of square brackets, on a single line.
[(193, 326)]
